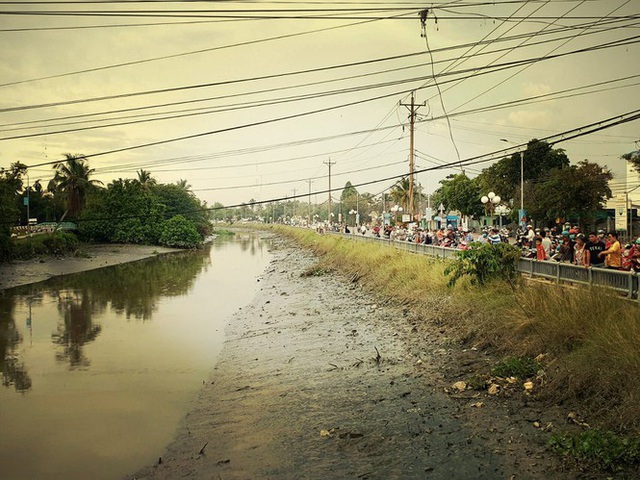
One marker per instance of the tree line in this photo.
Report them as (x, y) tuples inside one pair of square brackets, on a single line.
[(138, 210)]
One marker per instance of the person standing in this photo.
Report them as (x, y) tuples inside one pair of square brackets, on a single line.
[(581, 254), (595, 247), (546, 243), (541, 253), (613, 254)]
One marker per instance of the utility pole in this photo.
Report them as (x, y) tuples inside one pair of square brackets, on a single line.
[(294, 203), (329, 163), (309, 215), (413, 108)]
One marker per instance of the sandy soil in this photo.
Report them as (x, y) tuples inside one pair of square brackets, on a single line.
[(94, 256), (318, 380)]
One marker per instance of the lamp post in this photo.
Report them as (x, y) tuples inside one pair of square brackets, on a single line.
[(353, 212), (521, 213), (490, 200), (395, 209)]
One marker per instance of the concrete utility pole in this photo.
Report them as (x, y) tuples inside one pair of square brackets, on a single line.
[(309, 216), (413, 108), (329, 211)]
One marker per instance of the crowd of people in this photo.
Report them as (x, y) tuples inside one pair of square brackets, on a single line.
[(571, 245), (595, 249)]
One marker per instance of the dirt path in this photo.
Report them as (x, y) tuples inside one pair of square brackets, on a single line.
[(318, 381)]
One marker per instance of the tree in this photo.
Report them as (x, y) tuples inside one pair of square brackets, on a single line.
[(633, 158), (577, 192), (10, 185), (461, 193), (72, 180), (399, 193), (123, 212), (503, 177), (145, 179)]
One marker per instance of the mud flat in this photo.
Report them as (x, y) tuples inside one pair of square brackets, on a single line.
[(318, 380), (23, 272)]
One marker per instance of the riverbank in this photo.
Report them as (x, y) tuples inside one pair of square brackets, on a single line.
[(23, 272), (317, 379)]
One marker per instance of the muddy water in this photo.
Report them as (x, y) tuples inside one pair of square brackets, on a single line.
[(98, 367)]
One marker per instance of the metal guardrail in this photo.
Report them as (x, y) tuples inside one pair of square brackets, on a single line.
[(618, 280)]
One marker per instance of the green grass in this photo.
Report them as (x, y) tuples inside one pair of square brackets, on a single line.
[(519, 367), (598, 449)]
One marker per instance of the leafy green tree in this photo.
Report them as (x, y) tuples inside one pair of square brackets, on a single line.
[(577, 192), (633, 158), (503, 177), (72, 180), (179, 200), (123, 212), (10, 185), (180, 232), (461, 193)]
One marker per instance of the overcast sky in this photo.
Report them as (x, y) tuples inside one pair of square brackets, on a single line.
[(249, 100)]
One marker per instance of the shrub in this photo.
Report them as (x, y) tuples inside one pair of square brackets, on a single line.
[(484, 262), (180, 232), (57, 243), (598, 448)]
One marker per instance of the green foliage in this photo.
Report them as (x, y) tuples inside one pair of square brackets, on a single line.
[(483, 262), (459, 192), (633, 158), (598, 448), (503, 177), (58, 243), (520, 367), (180, 232), (577, 191), (176, 199), (126, 211)]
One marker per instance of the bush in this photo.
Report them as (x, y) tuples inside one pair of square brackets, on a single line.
[(57, 243), (180, 233), (598, 448), (484, 262)]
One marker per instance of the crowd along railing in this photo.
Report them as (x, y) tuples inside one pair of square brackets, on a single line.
[(627, 283)]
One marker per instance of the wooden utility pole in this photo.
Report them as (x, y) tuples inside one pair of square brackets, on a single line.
[(413, 108), (329, 208)]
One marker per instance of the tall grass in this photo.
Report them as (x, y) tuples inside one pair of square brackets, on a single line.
[(590, 337)]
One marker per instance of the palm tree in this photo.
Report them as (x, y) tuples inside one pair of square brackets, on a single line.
[(145, 179), (184, 185), (72, 180)]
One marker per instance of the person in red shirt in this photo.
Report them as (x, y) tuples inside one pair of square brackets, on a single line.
[(541, 252)]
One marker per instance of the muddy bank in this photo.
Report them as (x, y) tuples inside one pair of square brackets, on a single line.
[(317, 380), (23, 272)]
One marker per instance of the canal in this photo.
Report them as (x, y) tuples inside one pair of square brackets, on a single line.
[(98, 368)]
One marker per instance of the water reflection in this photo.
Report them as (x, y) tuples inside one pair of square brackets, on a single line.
[(105, 362)]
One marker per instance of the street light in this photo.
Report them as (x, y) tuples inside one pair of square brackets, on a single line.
[(491, 200), (354, 212), (395, 209), (521, 213)]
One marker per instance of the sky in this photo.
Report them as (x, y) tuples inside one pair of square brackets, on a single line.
[(250, 101)]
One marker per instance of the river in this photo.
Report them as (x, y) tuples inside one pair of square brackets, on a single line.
[(99, 367)]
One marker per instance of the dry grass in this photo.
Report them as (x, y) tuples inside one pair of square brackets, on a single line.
[(591, 338)]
